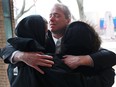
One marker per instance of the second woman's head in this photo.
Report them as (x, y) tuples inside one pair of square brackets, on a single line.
[(80, 39)]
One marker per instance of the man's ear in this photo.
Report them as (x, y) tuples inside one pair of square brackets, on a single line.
[(68, 21)]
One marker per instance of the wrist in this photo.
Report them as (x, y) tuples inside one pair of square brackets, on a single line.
[(86, 61), (18, 57)]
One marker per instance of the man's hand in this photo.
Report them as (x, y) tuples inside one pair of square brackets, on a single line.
[(75, 61), (34, 60)]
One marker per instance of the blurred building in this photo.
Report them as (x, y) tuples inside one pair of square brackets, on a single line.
[(6, 24)]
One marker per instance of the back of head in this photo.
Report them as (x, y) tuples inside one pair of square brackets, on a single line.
[(33, 26), (80, 39)]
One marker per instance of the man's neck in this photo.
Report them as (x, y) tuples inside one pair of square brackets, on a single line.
[(57, 36)]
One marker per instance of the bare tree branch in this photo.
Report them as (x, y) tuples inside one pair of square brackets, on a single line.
[(59, 1), (23, 9), (21, 12), (28, 8), (81, 9)]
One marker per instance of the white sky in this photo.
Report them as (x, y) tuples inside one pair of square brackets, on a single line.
[(97, 6), (100, 6)]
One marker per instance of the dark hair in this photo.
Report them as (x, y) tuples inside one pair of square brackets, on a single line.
[(80, 38), (32, 26), (30, 34)]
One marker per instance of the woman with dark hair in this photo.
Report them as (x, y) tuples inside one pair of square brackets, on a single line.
[(31, 33), (79, 39)]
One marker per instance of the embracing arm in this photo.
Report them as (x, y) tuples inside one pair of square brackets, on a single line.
[(101, 59), (104, 58), (32, 59)]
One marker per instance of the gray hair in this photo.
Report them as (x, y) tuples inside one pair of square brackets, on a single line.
[(65, 10)]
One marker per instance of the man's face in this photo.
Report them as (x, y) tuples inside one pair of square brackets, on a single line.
[(57, 20)]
